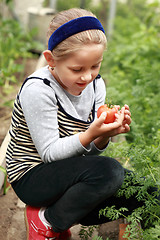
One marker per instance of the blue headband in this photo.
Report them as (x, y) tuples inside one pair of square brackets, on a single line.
[(72, 27)]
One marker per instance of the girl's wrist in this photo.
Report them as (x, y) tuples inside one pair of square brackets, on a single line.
[(86, 138), (101, 142)]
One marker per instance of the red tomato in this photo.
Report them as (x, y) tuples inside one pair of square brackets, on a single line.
[(110, 118)]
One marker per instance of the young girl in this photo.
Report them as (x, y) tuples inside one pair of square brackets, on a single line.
[(53, 160)]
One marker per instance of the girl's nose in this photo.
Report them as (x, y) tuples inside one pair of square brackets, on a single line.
[(86, 77)]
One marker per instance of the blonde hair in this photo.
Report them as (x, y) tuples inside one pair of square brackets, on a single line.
[(76, 41)]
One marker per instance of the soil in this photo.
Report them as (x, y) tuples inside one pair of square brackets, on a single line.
[(12, 225), (9, 207)]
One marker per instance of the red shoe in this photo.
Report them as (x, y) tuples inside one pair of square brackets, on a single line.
[(66, 235), (36, 229)]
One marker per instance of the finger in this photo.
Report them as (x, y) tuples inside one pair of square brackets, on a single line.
[(102, 117), (120, 117), (122, 111), (128, 120), (126, 128), (127, 116), (127, 112), (126, 106), (117, 106)]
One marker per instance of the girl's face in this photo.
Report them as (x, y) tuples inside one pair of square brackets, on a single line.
[(79, 69)]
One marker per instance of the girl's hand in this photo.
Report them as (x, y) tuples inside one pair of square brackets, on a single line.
[(124, 128), (98, 128), (99, 132), (102, 141), (127, 120)]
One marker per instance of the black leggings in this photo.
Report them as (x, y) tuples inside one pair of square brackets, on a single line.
[(74, 190)]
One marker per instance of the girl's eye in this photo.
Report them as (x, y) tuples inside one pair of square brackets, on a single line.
[(96, 66), (76, 70)]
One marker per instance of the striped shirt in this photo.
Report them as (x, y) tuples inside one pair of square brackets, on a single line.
[(22, 155)]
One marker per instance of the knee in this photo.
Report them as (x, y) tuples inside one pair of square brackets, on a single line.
[(112, 174), (117, 171)]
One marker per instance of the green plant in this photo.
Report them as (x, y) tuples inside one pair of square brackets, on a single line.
[(144, 161), (99, 238), (131, 68), (86, 232), (148, 214), (5, 188), (61, 5), (15, 43)]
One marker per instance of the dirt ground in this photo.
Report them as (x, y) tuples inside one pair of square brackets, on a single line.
[(12, 225), (9, 207)]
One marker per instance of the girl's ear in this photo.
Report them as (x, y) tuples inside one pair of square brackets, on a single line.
[(49, 58)]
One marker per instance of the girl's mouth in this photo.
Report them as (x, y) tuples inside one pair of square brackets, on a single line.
[(82, 84)]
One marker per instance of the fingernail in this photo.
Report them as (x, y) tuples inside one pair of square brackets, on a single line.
[(104, 114)]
